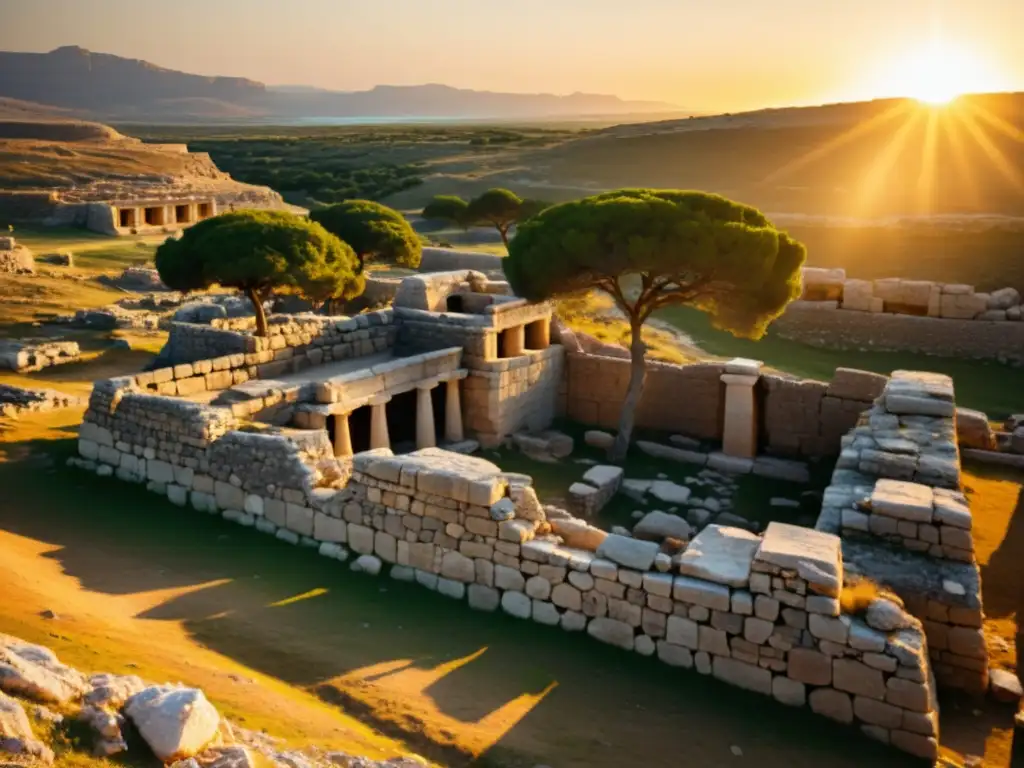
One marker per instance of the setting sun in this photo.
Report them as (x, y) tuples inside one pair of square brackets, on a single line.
[(939, 72)]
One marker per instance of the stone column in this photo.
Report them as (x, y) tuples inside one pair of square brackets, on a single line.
[(379, 437), (453, 412), (426, 436), (342, 436), (515, 341), (538, 334), (739, 434)]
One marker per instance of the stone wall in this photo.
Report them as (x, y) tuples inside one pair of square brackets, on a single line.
[(802, 417), (897, 501), (758, 612), (679, 398), (447, 259), (798, 417), (321, 339), (30, 355), (841, 329), (507, 396)]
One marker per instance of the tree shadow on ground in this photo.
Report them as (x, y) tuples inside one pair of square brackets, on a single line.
[(458, 686)]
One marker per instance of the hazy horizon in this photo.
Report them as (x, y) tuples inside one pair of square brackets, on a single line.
[(731, 56)]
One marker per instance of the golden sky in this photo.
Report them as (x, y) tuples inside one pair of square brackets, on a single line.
[(704, 55)]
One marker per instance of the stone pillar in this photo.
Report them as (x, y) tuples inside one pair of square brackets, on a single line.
[(453, 412), (739, 434), (426, 436), (379, 437), (342, 436), (538, 334), (515, 341)]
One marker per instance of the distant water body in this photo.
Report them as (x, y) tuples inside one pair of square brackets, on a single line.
[(382, 120)]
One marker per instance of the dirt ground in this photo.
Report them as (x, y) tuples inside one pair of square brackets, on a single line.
[(284, 640)]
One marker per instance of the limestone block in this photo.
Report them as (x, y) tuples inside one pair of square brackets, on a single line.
[(721, 554), (973, 430), (612, 632), (962, 306), (858, 678), (682, 632), (877, 713), (177, 495), (578, 534), (176, 723), (299, 519), (360, 539), (674, 655), (832, 704), (699, 592), (814, 555), (822, 284), (1003, 299), (628, 552), (566, 596), (517, 604), (456, 590), (853, 384), (902, 500), (669, 492), (742, 675), (789, 692), (658, 526), (810, 666), (857, 295), (458, 567)]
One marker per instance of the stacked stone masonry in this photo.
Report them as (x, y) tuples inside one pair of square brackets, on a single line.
[(31, 355), (761, 613), (896, 500), (906, 315)]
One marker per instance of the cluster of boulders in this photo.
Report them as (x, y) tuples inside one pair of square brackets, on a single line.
[(58, 258), (178, 724), (30, 355), (15, 259), (830, 288), (139, 279), (17, 401)]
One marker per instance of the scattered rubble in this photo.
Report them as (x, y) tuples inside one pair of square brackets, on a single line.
[(17, 401)]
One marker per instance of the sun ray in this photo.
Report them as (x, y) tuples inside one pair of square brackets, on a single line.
[(953, 128), (995, 154), (929, 161), (881, 167), (858, 130), (1007, 129)]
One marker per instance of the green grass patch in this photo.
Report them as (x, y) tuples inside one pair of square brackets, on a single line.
[(996, 389)]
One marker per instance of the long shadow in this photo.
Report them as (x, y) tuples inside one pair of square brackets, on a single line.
[(309, 621)]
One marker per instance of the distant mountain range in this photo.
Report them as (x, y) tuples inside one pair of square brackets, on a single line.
[(101, 85)]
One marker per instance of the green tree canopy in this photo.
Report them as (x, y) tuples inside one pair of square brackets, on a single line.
[(259, 252), (451, 208), (653, 248), (375, 232), (498, 207)]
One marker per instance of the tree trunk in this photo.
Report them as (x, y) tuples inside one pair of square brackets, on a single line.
[(504, 236), (261, 315), (637, 374)]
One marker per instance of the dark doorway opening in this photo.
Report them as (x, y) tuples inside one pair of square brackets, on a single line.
[(454, 303), (358, 428), (401, 411), (126, 217), (183, 214), (205, 210), (440, 406)]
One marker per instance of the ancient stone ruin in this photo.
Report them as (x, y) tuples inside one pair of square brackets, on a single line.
[(895, 314), (349, 435), (30, 355), (15, 259)]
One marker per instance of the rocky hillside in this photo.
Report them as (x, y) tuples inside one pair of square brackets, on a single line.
[(47, 162), (47, 706)]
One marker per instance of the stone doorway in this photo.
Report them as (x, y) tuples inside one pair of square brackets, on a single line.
[(358, 428), (183, 214), (401, 415)]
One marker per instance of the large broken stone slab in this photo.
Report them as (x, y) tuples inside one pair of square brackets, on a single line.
[(35, 672), (903, 500), (782, 469), (671, 453), (603, 475), (919, 393), (669, 492), (853, 384), (814, 555), (658, 526), (721, 554), (631, 553), (176, 723)]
